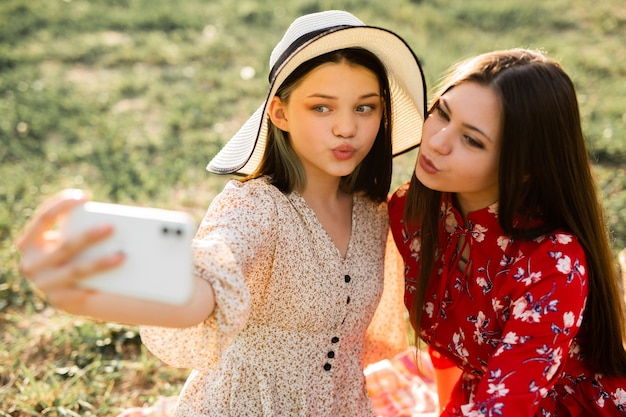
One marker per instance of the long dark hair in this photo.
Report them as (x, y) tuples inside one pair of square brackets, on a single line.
[(373, 175), (544, 170)]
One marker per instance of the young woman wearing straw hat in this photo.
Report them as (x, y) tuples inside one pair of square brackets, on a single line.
[(289, 260)]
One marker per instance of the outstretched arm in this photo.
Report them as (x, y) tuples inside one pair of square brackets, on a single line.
[(50, 262)]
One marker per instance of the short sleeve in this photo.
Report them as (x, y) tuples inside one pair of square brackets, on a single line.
[(236, 230)]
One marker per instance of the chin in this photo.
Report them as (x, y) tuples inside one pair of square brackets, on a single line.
[(427, 181), (343, 171)]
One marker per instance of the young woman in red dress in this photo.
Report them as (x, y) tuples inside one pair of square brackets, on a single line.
[(509, 274)]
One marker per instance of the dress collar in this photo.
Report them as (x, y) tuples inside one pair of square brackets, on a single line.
[(486, 217)]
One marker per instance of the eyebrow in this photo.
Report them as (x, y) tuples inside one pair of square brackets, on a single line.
[(321, 95), (467, 125)]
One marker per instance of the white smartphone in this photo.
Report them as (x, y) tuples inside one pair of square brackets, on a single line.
[(157, 244)]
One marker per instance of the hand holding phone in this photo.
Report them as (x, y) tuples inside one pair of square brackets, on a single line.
[(157, 245)]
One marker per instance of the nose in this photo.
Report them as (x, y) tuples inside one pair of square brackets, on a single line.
[(440, 141), (345, 125)]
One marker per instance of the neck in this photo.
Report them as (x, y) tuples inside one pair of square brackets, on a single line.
[(322, 189), (325, 194), (333, 209)]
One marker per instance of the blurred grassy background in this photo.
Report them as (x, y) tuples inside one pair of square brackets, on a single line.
[(131, 98)]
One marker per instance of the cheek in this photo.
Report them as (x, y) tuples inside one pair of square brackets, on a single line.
[(304, 129), (430, 128), (373, 127), (481, 173)]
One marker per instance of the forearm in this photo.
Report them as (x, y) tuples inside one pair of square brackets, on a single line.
[(121, 309)]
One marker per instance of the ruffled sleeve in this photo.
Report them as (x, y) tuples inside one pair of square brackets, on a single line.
[(236, 230)]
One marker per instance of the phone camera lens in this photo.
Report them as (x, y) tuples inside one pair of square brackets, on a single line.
[(165, 230)]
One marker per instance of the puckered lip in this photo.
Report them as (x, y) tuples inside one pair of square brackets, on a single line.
[(345, 147), (344, 152), (427, 164)]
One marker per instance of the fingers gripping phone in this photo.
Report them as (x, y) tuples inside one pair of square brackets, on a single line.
[(157, 244)]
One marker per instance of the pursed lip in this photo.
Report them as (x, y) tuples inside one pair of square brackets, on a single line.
[(427, 165), (344, 152)]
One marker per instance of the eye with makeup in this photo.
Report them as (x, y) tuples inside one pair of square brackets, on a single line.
[(473, 142), (437, 110), (321, 109), (365, 108), (361, 109)]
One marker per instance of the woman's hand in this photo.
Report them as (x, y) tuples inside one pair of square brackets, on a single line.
[(49, 260)]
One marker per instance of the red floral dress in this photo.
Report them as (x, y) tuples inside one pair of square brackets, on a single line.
[(511, 321)]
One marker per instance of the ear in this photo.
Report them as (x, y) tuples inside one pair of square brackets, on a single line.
[(276, 112)]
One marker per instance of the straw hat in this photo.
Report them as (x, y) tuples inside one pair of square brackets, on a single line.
[(315, 34)]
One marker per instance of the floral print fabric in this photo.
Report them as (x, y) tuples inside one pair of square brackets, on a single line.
[(510, 318), (295, 322)]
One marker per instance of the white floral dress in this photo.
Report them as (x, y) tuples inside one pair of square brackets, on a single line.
[(288, 335)]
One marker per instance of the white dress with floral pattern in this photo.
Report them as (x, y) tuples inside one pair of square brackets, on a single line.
[(288, 335)]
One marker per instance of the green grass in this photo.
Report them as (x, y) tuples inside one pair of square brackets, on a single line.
[(131, 98)]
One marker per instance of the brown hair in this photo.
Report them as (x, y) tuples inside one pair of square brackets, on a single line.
[(373, 175), (544, 169)]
